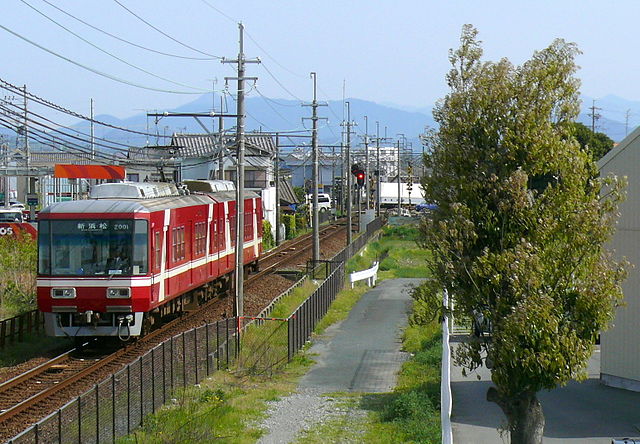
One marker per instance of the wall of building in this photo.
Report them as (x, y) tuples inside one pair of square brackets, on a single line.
[(620, 345)]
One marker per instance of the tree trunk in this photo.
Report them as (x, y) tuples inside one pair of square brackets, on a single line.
[(524, 414)]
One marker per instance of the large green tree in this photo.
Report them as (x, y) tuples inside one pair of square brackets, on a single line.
[(596, 143), (521, 222)]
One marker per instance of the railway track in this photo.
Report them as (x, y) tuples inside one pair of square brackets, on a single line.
[(43, 387)]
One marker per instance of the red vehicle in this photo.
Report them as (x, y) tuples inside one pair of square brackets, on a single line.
[(116, 263), (12, 224)]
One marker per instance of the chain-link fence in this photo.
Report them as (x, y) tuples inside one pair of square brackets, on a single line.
[(118, 405)]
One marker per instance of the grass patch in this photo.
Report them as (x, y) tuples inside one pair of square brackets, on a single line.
[(32, 346), (229, 406)]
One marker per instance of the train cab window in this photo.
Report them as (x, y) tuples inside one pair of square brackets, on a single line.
[(93, 247), (44, 247)]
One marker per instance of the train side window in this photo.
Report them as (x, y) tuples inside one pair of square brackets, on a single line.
[(157, 250), (248, 226), (200, 235), (177, 244)]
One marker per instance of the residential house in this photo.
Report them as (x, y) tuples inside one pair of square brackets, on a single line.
[(620, 345)]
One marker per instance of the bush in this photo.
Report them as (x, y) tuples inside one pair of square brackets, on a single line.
[(289, 221), (18, 260), (267, 236)]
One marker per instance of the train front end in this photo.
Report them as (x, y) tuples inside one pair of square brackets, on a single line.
[(93, 272)]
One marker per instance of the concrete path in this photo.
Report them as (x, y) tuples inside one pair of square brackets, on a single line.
[(362, 354), (359, 354), (586, 412)]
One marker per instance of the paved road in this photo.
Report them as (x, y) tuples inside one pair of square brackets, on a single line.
[(586, 412), (362, 354)]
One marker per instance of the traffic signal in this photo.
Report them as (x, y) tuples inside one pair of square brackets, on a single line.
[(360, 178)]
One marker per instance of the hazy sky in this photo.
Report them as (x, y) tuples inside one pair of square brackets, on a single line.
[(385, 51)]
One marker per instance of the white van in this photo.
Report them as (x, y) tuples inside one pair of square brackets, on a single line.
[(324, 201)]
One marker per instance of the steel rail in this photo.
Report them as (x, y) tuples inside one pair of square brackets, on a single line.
[(288, 250)]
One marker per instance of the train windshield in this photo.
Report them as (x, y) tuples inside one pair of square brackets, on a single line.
[(92, 247), (10, 216)]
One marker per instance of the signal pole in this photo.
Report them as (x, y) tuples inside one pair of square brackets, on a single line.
[(239, 307), (315, 221)]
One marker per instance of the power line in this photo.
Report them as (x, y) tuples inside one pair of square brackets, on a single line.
[(280, 83), (19, 116), (14, 89), (124, 40), (164, 33), (109, 53), (95, 71), (70, 129), (221, 13)]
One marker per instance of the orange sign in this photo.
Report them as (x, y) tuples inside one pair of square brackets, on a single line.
[(89, 171)]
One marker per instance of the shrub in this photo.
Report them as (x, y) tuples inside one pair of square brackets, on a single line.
[(18, 260), (267, 236), (289, 221)]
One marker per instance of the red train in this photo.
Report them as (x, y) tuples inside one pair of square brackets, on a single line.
[(115, 264), (12, 224)]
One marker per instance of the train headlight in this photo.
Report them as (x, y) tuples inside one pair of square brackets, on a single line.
[(118, 292), (63, 293)]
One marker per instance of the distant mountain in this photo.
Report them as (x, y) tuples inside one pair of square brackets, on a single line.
[(287, 115), (618, 116), (271, 115)]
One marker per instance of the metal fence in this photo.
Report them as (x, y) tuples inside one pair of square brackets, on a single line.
[(13, 329), (118, 405)]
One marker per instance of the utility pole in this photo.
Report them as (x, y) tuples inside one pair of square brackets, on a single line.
[(315, 220), (347, 170), (5, 162), (221, 155), (594, 115), (93, 148), (240, 176), (399, 193), (276, 173), (378, 168), (366, 161), (626, 122)]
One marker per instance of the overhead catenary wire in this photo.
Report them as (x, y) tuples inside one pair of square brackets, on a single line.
[(124, 40), (164, 33), (19, 119), (93, 70), (201, 90), (17, 90), (49, 140), (58, 125)]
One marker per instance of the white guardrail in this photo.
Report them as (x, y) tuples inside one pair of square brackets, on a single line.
[(445, 380), (370, 274)]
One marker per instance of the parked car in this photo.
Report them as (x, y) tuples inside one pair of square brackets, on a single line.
[(424, 206), (324, 201)]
